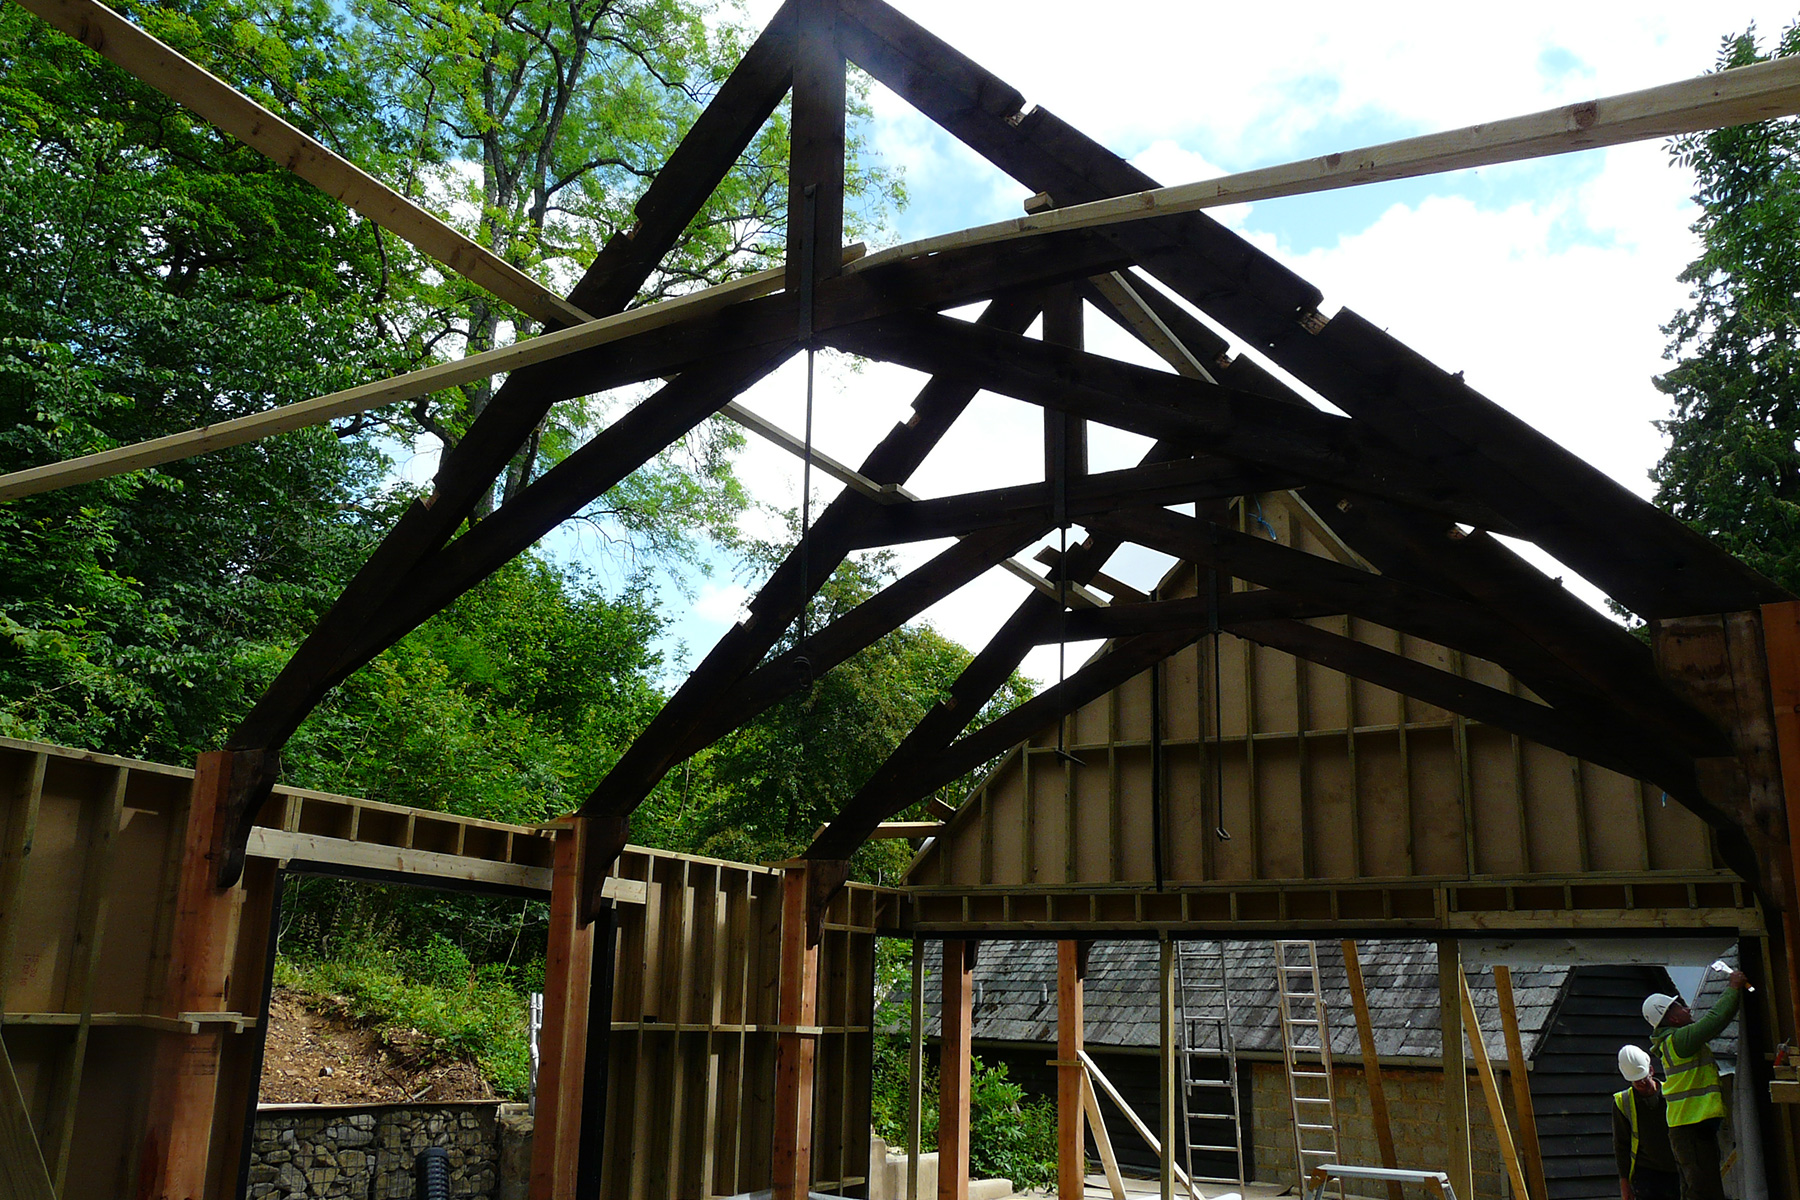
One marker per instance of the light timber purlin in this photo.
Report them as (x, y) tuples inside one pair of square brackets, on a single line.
[(187, 83), (1737, 96)]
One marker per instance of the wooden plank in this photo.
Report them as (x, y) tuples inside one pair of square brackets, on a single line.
[(283, 846), (1529, 1151), (99, 848), (382, 392), (1490, 1088), (187, 83), (1737, 96), (1098, 1078), (23, 1175), (562, 1041), (1109, 1162), (1071, 1145), (796, 1044), (958, 1022), (1454, 1118), (1378, 1109)]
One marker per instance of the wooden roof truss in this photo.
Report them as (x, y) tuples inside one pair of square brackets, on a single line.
[(1413, 483)]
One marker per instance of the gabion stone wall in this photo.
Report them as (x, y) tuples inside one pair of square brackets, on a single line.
[(305, 1151)]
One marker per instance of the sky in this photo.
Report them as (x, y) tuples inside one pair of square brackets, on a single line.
[(1544, 282)]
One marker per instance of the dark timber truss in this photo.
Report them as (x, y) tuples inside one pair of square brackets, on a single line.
[(1415, 480)]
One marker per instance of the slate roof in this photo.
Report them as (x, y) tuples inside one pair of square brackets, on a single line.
[(1724, 1047), (1015, 997)]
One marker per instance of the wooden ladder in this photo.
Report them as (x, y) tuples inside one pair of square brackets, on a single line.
[(1306, 1051), (1208, 1053)]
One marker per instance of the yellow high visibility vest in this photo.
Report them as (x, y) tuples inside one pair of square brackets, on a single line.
[(1691, 1087), (1623, 1101)]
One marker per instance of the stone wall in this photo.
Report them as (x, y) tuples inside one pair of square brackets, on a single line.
[(1415, 1100), (307, 1151)]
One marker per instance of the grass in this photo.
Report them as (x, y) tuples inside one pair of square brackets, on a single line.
[(478, 1015)]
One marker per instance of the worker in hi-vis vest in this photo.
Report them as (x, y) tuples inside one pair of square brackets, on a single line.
[(1696, 1103), (1647, 1169)]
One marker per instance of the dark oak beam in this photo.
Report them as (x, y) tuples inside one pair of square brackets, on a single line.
[(1122, 661), (1472, 564), (1191, 613), (816, 145), (671, 735), (1177, 482), (1642, 757), (1408, 607), (1641, 556), (1300, 442), (858, 629), (599, 465)]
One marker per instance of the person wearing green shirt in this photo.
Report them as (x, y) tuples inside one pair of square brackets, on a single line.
[(1646, 1161), (1695, 1102)]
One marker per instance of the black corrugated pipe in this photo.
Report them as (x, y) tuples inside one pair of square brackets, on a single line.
[(431, 1174)]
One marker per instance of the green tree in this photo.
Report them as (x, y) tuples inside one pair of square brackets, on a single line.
[(159, 276), (1732, 469)]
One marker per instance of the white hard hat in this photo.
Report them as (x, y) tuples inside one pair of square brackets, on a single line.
[(1655, 1006), (1634, 1064)]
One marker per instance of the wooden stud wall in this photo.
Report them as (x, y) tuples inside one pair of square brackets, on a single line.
[(1326, 779), (695, 1021), (89, 847)]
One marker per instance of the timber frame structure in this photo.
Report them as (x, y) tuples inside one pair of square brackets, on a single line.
[(1397, 504)]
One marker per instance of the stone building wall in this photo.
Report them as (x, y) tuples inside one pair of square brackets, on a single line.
[(306, 1151), (1415, 1100)]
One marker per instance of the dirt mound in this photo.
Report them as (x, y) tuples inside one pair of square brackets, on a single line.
[(314, 1055)]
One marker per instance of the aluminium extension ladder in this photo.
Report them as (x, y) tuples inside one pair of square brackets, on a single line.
[(1306, 1051), (1208, 1053)]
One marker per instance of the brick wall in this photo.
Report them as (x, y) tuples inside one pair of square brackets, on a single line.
[(1415, 1100)]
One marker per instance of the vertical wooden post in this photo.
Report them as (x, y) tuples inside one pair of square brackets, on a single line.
[(1071, 1145), (816, 154), (958, 1010), (177, 1148), (915, 1067), (1490, 1090), (1458, 1161), (796, 1043), (240, 1068), (1365, 1034), (562, 1042), (1781, 650), (1529, 1151), (1169, 1101)]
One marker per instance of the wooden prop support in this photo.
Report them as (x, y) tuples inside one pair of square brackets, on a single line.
[(1097, 1078), (957, 1023), (189, 84), (562, 1042), (1458, 1160), (1490, 1089), (1109, 1162), (1071, 1146), (915, 1071), (1365, 1033), (1516, 1069)]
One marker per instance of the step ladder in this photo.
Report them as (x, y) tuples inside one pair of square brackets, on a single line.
[(1208, 1054), (1306, 1051)]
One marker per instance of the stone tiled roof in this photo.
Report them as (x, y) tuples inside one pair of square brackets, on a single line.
[(1015, 998)]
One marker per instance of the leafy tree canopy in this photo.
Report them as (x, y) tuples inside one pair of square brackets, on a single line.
[(1732, 469)]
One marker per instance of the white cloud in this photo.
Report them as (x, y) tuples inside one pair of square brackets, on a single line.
[(723, 603)]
